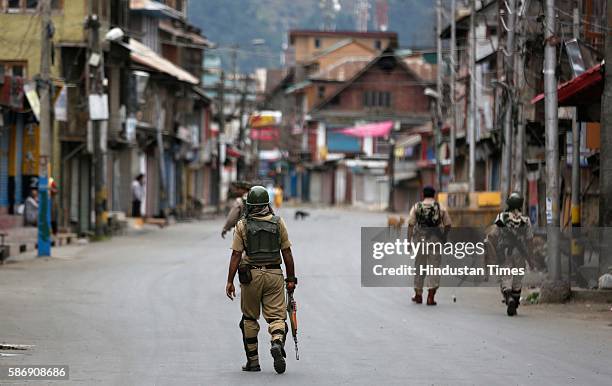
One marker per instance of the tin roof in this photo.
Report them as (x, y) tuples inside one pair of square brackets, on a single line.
[(147, 57)]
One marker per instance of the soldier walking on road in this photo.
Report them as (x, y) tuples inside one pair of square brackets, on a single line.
[(428, 222), (263, 238), (238, 207), (509, 240)]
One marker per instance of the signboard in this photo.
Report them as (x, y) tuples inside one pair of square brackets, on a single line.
[(60, 108), (32, 95), (98, 107)]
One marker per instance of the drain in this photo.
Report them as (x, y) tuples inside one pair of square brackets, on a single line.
[(5, 346)]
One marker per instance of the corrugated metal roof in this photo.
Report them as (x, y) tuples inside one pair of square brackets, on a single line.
[(147, 57), (155, 9)]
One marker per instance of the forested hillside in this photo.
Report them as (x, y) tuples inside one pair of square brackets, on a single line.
[(226, 22)]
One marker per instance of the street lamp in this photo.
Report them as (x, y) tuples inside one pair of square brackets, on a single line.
[(435, 101)]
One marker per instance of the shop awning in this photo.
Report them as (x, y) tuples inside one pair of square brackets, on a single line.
[(378, 129), (585, 89), (147, 57), (409, 141), (154, 9)]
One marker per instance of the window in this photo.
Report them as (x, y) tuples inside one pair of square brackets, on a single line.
[(13, 68), (377, 99), (317, 43), (378, 44), (14, 4), (17, 6), (321, 92)]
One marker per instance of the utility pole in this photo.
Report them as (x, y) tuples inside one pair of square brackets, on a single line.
[(44, 207), (234, 75), (391, 170), (453, 68), (519, 148), (439, 99), (576, 143), (472, 107), (221, 102), (95, 88), (605, 155), (552, 141), (243, 98), (506, 174)]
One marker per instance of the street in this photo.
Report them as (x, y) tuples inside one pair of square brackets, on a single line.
[(151, 309)]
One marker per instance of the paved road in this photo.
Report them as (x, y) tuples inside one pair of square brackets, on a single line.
[(151, 309)]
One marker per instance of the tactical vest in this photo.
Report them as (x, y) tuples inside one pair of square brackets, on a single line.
[(263, 242), (428, 215), (513, 235)]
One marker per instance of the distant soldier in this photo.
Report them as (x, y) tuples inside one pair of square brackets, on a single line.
[(509, 243), (238, 207), (429, 222), (263, 237)]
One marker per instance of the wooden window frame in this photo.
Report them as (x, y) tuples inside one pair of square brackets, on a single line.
[(12, 63), (4, 7)]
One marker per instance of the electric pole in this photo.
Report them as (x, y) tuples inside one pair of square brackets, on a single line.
[(243, 98), (453, 68), (472, 107), (506, 174), (221, 102), (605, 161), (44, 207), (519, 147), (576, 143), (552, 141), (438, 112), (96, 61)]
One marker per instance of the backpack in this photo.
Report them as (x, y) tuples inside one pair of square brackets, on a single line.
[(513, 233), (428, 215)]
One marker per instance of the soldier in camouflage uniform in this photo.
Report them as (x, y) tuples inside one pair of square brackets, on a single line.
[(429, 222), (262, 238), (509, 243)]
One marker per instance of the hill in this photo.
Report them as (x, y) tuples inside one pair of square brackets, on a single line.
[(228, 22)]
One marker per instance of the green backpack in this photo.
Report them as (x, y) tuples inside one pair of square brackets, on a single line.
[(428, 215)]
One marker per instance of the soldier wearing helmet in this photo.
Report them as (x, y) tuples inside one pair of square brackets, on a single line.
[(509, 242), (260, 239)]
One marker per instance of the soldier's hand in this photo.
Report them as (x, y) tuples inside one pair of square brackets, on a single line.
[(223, 233), (290, 287), (230, 291)]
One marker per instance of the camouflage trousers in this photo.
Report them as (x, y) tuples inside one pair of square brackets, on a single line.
[(264, 294), (513, 282), (424, 260)]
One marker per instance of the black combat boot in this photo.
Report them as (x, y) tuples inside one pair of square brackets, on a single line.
[(278, 353), (511, 302), (418, 296), (251, 366), (431, 293)]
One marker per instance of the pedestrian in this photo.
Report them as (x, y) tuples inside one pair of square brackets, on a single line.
[(260, 239), (509, 241), (30, 209), (278, 196), (429, 222), (238, 207), (138, 193)]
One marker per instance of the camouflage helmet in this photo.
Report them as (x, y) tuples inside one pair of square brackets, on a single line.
[(514, 201), (258, 195)]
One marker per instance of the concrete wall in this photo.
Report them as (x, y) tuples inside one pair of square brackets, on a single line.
[(22, 31)]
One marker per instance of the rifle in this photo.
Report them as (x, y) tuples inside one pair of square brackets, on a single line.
[(292, 311)]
